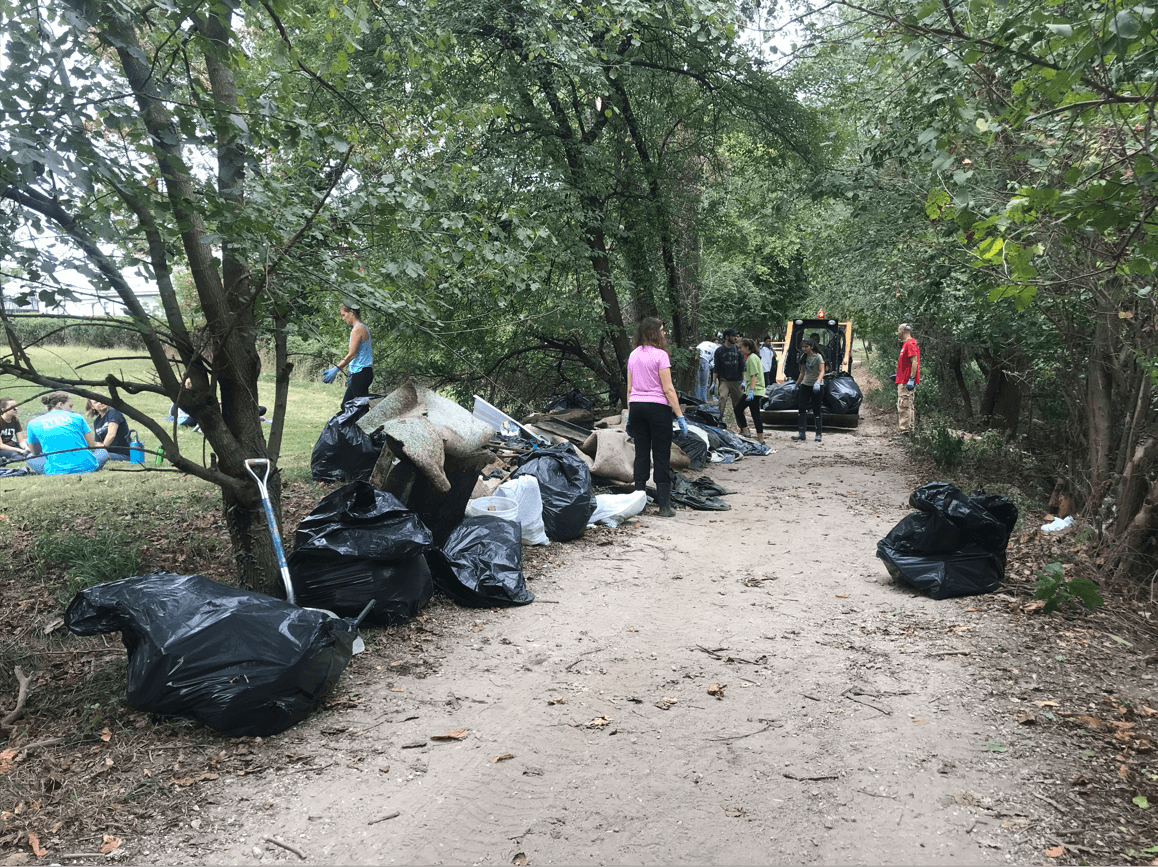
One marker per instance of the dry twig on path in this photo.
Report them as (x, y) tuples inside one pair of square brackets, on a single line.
[(24, 682), (287, 846)]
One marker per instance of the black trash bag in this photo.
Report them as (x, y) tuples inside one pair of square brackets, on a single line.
[(344, 452), (714, 441), (971, 571), (481, 564), (706, 414), (954, 546), (358, 520), (345, 584), (573, 399), (924, 533), (977, 524), (702, 494), (239, 662), (565, 483), (693, 446), (781, 397), (842, 395), (359, 544)]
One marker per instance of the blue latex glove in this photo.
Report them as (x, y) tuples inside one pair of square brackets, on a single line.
[(751, 393), (910, 385), (816, 385), (330, 375), (683, 423)]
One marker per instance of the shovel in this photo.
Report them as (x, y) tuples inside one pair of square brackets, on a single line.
[(275, 537)]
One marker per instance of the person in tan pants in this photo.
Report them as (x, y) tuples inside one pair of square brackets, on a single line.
[(907, 379)]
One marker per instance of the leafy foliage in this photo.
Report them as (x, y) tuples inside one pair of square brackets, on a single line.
[(1057, 590)]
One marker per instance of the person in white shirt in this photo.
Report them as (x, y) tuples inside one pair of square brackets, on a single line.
[(768, 361), (707, 350)]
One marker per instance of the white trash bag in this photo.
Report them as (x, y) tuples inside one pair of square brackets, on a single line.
[(525, 491)]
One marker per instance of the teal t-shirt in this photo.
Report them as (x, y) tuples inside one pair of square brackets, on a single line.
[(57, 431), (754, 367)]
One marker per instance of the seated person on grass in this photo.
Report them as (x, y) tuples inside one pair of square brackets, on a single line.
[(62, 441), (13, 443), (111, 429)]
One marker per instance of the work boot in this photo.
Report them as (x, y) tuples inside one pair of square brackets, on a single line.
[(818, 426), (663, 500), (802, 434)]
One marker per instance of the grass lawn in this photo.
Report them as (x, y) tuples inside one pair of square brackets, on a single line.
[(130, 499)]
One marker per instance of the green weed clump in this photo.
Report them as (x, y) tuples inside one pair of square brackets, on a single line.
[(88, 560), (1056, 590)]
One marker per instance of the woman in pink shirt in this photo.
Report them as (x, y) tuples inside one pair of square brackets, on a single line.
[(651, 400)]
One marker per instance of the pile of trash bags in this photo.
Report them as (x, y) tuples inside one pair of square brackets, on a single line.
[(954, 545), (359, 544), (239, 662)]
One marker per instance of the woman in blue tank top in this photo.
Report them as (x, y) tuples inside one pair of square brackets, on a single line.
[(360, 357)]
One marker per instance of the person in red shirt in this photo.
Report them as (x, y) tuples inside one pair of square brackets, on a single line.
[(907, 379)]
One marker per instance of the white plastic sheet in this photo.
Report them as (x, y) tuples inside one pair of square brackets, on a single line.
[(525, 491), (614, 509)]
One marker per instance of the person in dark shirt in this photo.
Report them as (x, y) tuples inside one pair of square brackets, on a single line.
[(110, 429), (729, 370), (13, 443)]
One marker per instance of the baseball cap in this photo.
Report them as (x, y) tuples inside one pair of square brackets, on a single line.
[(730, 332)]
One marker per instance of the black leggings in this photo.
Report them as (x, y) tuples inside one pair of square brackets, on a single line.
[(754, 406), (805, 396), (358, 384), (649, 425)]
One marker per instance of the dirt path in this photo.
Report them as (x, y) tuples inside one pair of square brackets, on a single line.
[(848, 730)]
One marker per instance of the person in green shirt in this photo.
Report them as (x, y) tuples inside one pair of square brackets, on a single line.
[(753, 388)]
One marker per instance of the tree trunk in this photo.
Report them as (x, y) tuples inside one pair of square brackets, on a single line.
[(962, 388), (1001, 405), (1099, 407)]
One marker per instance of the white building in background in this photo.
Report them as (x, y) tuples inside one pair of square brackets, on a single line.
[(87, 304)]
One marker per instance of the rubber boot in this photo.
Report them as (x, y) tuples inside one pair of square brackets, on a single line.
[(663, 500), (802, 434), (818, 426)]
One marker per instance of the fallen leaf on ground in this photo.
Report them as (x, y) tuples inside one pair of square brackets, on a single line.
[(1055, 852), (456, 735), (34, 842), (7, 759), (559, 700), (917, 721), (733, 812), (502, 758), (1047, 704), (110, 844), (397, 689), (106, 735), (665, 703), (599, 722), (1031, 607), (1092, 721), (1149, 711), (1025, 717), (841, 595), (188, 781), (1123, 772), (717, 689)]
